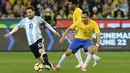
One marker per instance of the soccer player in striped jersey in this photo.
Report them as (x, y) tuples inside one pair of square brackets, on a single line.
[(31, 24)]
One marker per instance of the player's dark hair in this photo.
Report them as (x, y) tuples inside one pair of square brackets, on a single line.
[(30, 7), (85, 12), (74, 2), (80, 2)]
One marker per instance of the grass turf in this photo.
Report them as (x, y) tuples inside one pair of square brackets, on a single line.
[(23, 62)]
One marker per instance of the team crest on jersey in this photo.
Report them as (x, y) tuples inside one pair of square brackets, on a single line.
[(89, 29)]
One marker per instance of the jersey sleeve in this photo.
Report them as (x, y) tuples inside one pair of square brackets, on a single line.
[(41, 20), (96, 28), (21, 23), (77, 15), (74, 25)]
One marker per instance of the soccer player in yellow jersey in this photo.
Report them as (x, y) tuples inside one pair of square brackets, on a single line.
[(72, 4), (82, 39)]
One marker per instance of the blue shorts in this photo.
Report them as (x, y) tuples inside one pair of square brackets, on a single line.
[(77, 43)]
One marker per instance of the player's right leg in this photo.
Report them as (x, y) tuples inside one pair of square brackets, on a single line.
[(64, 56), (74, 46)]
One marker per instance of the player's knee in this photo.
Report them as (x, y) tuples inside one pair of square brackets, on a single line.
[(68, 52), (41, 50), (90, 50), (95, 50)]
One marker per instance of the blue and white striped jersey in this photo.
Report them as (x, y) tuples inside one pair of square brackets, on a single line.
[(32, 29)]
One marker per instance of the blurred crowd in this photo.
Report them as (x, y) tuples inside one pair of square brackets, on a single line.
[(58, 9)]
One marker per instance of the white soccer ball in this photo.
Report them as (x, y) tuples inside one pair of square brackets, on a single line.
[(38, 67)]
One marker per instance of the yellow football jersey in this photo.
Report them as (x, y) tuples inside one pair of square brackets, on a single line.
[(85, 31), (77, 15)]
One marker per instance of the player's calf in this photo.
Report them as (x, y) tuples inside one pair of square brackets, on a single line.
[(46, 61)]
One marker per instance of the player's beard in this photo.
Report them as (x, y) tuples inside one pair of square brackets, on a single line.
[(85, 21), (30, 16)]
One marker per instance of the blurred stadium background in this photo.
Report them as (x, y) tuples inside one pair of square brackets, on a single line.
[(113, 17)]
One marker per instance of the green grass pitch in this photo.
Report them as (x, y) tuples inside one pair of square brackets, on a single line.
[(23, 62)]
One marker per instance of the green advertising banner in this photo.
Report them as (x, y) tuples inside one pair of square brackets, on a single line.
[(8, 23), (111, 40)]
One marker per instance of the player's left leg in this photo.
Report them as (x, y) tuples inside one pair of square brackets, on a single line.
[(88, 45), (92, 50), (95, 58), (88, 58), (44, 59), (79, 58), (39, 53), (43, 55)]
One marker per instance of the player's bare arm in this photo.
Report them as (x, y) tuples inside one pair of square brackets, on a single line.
[(14, 30), (65, 33), (7, 35), (54, 31), (98, 42), (98, 39)]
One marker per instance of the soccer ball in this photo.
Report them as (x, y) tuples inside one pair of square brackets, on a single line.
[(38, 67)]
